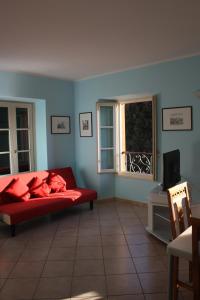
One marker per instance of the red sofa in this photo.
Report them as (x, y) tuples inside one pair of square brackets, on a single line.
[(15, 212)]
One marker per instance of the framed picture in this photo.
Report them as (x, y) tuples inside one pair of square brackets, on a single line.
[(60, 125), (177, 118), (85, 123)]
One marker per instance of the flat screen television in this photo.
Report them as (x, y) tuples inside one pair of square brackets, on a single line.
[(171, 169)]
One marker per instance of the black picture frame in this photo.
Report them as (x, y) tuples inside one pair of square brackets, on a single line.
[(60, 125), (85, 124), (177, 118)]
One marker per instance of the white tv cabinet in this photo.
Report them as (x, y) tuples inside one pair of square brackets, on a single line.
[(158, 215)]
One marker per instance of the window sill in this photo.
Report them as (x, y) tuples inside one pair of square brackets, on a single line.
[(136, 176)]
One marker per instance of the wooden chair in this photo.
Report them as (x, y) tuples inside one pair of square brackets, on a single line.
[(179, 207), (187, 246), (180, 219), (196, 257)]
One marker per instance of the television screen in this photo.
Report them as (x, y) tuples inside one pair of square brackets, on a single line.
[(171, 169)]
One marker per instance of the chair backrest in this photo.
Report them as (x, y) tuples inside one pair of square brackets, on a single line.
[(179, 207)]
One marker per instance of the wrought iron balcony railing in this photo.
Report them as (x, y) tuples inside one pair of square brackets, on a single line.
[(138, 162)]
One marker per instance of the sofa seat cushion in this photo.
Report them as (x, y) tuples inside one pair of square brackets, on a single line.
[(36, 207), (79, 195), (23, 211)]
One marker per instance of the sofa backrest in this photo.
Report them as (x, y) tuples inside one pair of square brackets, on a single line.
[(66, 173)]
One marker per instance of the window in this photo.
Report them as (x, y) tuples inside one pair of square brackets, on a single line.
[(16, 138), (126, 137), (106, 120)]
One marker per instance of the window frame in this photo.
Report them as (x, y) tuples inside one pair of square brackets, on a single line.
[(113, 104), (120, 172), (118, 138), (12, 129)]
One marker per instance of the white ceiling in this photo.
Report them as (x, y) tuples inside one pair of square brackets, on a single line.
[(75, 39)]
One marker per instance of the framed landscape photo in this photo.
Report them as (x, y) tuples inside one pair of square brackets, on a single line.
[(85, 123), (177, 118), (60, 125)]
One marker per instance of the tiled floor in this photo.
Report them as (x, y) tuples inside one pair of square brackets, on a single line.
[(82, 254)]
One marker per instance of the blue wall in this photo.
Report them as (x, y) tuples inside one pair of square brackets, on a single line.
[(51, 97), (174, 83)]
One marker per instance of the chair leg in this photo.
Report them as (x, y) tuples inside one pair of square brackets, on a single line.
[(190, 271), (196, 281), (170, 279), (175, 278)]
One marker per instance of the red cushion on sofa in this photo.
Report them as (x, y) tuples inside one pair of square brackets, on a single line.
[(17, 190), (67, 175), (56, 183), (38, 188)]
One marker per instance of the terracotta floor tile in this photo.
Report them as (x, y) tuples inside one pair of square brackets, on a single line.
[(86, 287), (148, 264), (154, 282), (85, 252), (6, 268), (156, 296), (142, 250), (10, 254), (127, 297), (133, 229), (63, 233), (136, 239), (34, 254), (126, 222), (27, 270), (18, 289), (91, 240), (69, 241), (89, 231), (67, 256), (49, 288), (59, 253), (114, 239), (111, 230), (58, 269), (119, 266), (123, 284), (115, 251), (88, 267)]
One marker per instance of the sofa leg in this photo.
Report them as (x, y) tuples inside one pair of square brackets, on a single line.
[(12, 230), (91, 204)]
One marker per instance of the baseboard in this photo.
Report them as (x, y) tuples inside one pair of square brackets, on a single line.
[(134, 202)]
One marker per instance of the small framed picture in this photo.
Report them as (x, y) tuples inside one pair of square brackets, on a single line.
[(85, 123), (177, 118), (60, 125)]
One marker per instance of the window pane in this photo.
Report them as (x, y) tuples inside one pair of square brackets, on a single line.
[(4, 164), (106, 113), (138, 137), (107, 161), (106, 137), (4, 141), (138, 123), (23, 162), (22, 140), (4, 117), (22, 117)]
